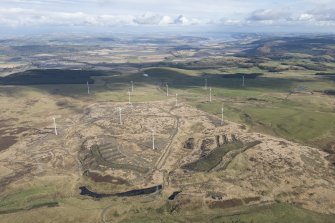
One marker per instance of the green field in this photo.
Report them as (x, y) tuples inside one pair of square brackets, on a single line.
[(271, 104), (275, 213), (28, 199)]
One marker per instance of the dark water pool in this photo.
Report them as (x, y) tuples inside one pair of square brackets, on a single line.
[(150, 190)]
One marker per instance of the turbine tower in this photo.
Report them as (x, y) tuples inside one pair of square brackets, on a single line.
[(129, 97), (176, 99), (132, 86), (167, 90), (222, 115), (153, 138), (120, 114), (210, 94), (55, 126), (243, 81), (88, 87)]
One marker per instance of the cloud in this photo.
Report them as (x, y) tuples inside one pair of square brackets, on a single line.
[(306, 17), (153, 19), (316, 15), (101, 13), (182, 20), (27, 17), (319, 15), (270, 15), (227, 21)]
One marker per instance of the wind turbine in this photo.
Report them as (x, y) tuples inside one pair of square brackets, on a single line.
[(55, 126), (176, 99), (222, 115), (153, 138), (243, 81), (132, 86), (210, 94), (88, 87), (120, 113), (167, 90)]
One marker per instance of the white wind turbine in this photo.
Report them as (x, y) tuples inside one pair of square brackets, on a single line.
[(120, 115), (88, 87), (153, 138), (55, 126), (222, 115), (210, 94)]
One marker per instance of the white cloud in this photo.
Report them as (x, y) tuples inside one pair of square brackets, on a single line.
[(165, 13), (166, 20), (270, 15), (319, 17), (285, 17), (153, 19), (26, 17), (226, 21), (322, 14), (306, 17), (182, 20)]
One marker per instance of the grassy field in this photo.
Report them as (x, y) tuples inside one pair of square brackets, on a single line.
[(29, 198), (275, 213), (274, 104)]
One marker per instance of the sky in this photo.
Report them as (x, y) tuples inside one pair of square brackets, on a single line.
[(50, 16)]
